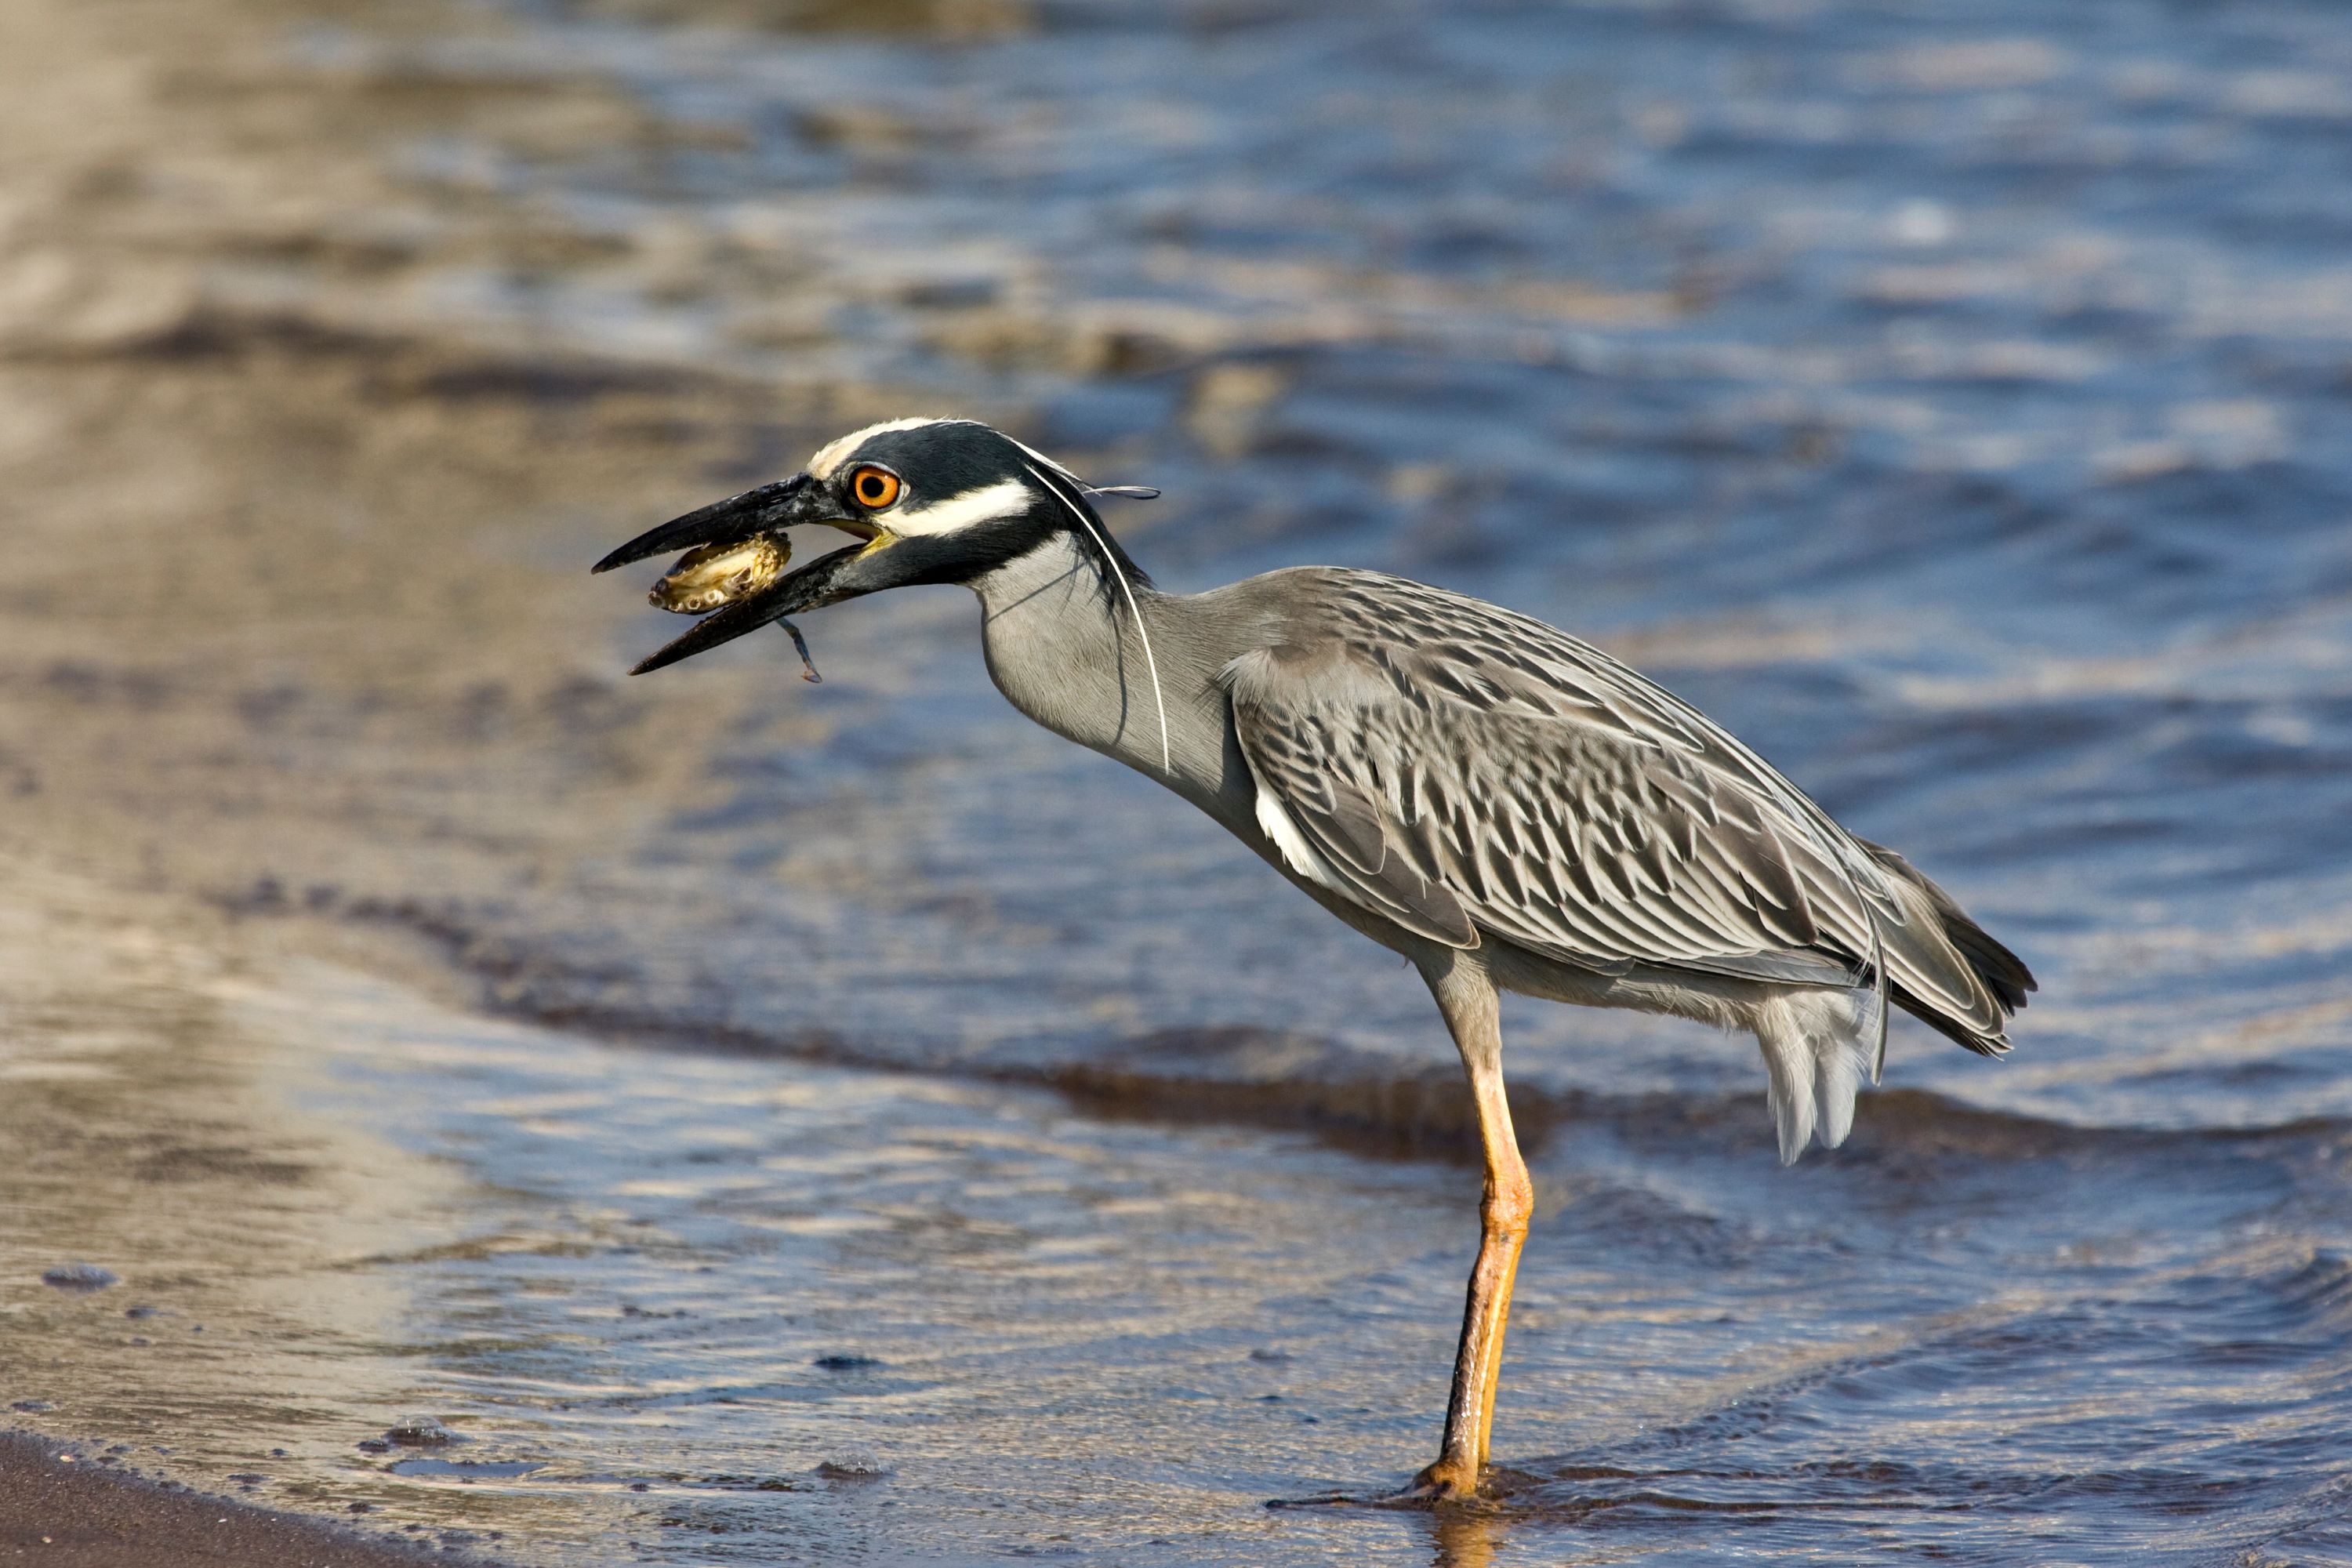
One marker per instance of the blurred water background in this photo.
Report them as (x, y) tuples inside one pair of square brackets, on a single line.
[(765, 1122)]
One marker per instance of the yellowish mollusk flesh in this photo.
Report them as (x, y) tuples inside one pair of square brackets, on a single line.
[(715, 574)]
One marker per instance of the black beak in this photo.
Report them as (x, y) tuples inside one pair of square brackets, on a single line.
[(787, 503), (730, 522)]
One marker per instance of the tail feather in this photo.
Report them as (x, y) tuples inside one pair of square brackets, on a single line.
[(1992, 980), (1818, 1043)]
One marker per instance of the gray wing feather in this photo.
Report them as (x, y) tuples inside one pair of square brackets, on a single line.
[(1579, 846), (1346, 827), (1482, 772)]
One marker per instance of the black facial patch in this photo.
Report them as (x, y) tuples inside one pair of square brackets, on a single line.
[(937, 461)]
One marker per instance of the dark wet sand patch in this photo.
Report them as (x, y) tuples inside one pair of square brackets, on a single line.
[(78, 1513)]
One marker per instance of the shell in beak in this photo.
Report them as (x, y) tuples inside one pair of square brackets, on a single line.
[(715, 574)]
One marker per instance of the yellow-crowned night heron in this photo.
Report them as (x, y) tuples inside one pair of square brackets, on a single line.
[(1507, 807)]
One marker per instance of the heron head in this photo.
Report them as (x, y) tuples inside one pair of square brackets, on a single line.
[(928, 500)]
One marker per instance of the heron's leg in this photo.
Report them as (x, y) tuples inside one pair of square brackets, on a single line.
[(1468, 1001)]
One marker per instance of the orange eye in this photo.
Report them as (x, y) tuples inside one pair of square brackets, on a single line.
[(876, 489)]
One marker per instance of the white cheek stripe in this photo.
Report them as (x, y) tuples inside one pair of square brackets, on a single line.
[(1006, 498)]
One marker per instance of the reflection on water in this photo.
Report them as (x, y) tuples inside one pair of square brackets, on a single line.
[(493, 1281), (1952, 400)]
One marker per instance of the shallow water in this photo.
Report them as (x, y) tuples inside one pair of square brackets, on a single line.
[(1952, 400), (695, 1308)]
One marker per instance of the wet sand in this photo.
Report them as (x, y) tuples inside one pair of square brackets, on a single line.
[(198, 495), (61, 1504)]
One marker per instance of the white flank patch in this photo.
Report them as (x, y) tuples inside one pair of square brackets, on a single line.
[(1006, 498), (1299, 854), (830, 455)]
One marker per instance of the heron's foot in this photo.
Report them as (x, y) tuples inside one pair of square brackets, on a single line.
[(1442, 1484), (1448, 1480)]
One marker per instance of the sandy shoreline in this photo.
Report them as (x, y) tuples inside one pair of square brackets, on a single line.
[(76, 1513), (199, 449)]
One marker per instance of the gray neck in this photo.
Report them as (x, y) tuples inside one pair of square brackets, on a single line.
[(1066, 653)]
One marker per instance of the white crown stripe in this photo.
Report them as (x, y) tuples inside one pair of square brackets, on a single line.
[(830, 455)]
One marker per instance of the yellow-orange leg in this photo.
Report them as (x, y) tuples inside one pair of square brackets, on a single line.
[(1468, 1002)]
